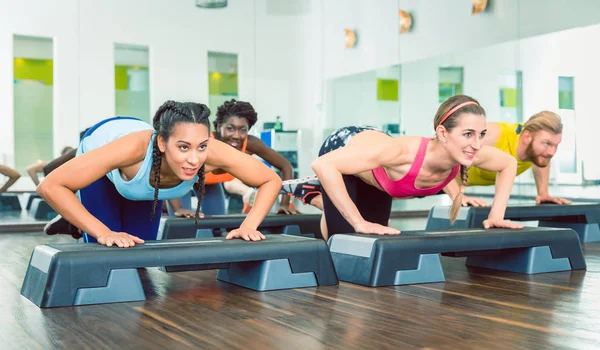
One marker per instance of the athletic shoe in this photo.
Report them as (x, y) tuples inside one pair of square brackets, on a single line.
[(301, 188), (59, 225)]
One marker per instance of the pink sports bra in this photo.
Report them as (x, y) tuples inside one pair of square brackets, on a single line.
[(405, 187)]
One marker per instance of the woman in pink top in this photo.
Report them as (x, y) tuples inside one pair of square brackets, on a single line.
[(360, 170)]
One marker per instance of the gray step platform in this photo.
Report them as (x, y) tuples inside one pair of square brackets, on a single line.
[(307, 225), (584, 218), (219, 225), (413, 256), (81, 274), (30, 200), (41, 210), (9, 202)]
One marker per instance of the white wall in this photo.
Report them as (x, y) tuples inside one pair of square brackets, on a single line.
[(56, 19), (481, 68), (178, 36), (34, 48), (439, 27), (542, 59)]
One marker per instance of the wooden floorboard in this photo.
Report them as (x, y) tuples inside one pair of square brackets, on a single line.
[(474, 309)]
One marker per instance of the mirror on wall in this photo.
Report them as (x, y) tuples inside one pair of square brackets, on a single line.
[(222, 79), (132, 81), (33, 80)]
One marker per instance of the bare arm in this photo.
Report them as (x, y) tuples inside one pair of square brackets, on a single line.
[(34, 169), (12, 175), (494, 160), (351, 159), (452, 189), (250, 171), (59, 187), (258, 147), (542, 180)]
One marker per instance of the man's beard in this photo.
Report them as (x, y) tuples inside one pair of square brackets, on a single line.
[(538, 160)]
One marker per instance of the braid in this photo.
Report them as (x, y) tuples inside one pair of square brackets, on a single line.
[(199, 189), (457, 202), (167, 116), (156, 160), (464, 176)]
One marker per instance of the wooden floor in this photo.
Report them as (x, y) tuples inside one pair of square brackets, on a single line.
[(474, 309)]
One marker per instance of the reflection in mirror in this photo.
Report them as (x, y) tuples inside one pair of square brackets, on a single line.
[(567, 159), (132, 81), (511, 98), (370, 98), (222, 79), (33, 91), (450, 82)]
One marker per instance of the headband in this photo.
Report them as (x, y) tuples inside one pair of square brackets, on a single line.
[(450, 112)]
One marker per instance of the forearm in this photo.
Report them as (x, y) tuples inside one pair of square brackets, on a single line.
[(175, 204), (504, 184), (287, 172), (452, 189), (542, 178), (266, 196), (65, 202), (333, 183), (34, 176), (11, 181), (236, 186)]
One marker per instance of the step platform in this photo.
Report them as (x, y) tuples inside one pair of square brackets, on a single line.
[(413, 256), (30, 200), (306, 225), (9, 202), (82, 274), (584, 218), (41, 210)]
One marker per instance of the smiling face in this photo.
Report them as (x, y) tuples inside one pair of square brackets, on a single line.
[(234, 131), (541, 147), (186, 149), (464, 140)]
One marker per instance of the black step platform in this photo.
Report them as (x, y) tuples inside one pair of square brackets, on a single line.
[(413, 256), (41, 210), (306, 225), (218, 226), (30, 200), (89, 273), (9, 202), (581, 217)]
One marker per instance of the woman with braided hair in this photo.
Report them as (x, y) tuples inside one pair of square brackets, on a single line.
[(360, 170), (234, 121), (125, 169)]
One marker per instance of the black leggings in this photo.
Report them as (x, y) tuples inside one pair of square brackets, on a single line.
[(373, 204)]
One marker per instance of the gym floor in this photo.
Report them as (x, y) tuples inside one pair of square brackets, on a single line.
[(474, 308)]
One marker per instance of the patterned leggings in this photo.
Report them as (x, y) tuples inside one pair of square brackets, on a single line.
[(374, 205)]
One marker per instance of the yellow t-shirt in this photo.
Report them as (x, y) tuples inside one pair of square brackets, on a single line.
[(507, 142)]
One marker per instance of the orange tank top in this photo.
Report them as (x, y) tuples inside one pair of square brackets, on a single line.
[(212, 179)]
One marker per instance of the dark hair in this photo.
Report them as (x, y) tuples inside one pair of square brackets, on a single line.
[(165, 119), (66, 150), (238, 109), (450, 123)]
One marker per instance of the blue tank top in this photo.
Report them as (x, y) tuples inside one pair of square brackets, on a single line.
[(139, 187)]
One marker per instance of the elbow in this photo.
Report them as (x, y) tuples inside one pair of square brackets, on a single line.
[(511, 167), (317, 166), (275, 179), (43, 189)]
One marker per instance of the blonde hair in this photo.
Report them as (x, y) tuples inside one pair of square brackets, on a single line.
[(544, 120), (449, 122)]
